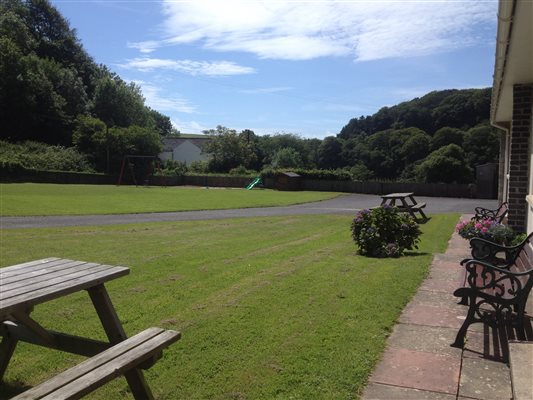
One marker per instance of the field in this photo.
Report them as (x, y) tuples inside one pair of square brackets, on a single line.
[(278, 307), (49, 199)]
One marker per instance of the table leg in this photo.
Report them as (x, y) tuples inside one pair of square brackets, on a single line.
[(115, 333), (7, 348)]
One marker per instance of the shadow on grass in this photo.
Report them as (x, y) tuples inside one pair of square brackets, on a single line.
[(9, 390), (415, 254)]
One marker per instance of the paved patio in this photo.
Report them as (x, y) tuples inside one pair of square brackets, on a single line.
[(419, 362)]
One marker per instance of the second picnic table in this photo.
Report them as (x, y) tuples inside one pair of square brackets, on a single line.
[(405, 202)]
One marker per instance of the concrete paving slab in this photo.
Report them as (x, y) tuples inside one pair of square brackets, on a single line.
[(487, 344), (485, 379), (521, 359), (439, 285), (376, 391), (424, 338), (422, 314), (439, 299), (418, 370)]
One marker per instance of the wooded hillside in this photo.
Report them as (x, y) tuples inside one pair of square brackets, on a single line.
[(452, 108)]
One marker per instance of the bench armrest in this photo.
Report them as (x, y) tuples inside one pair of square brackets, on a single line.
[(501, 282), (485, 250)]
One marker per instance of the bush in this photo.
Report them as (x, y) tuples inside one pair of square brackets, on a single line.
[(174, 168), (43, 157), (199, 167), (487, 229), (242, 171), (385, 232), (326, 174)]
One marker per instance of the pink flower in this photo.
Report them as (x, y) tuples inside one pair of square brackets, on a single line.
[(478, 225), (484, 230)]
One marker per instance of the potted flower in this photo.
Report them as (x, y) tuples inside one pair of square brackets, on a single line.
[(488, 229)]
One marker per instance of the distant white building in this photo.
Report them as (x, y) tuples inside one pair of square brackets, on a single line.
[(185, 148)]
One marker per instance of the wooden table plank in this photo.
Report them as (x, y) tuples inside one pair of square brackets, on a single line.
[(61, 289), (38, 273), (396, 195), (19, 269), (54, 280)]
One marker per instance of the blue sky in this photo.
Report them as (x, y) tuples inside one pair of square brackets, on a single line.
[(304, 67)]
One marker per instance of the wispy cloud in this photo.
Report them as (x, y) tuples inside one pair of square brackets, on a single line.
[(157, 101), (301, 30), (188, 126), (266, 90), (214, 68)]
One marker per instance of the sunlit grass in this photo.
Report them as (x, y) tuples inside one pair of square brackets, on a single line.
[(268, 307), (50, 199)]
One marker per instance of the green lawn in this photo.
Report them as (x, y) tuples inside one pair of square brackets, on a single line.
[(50, 199), (276, 307)]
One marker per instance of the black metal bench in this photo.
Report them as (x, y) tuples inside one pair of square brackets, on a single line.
[(497, 295), (498, 214), (493, 253), (139, 351)]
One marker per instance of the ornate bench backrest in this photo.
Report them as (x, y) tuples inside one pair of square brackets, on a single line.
[(502, 212)]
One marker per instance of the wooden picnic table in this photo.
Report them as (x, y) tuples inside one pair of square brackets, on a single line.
[(404, 202), (24, 286)]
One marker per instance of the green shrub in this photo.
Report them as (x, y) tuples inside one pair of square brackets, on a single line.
[(384, 232), (518, 239), (242, 171), (174, 168), (43, 157), (326, 174), (199, 167)]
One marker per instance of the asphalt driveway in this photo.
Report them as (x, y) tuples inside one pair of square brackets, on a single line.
[(344, 204)]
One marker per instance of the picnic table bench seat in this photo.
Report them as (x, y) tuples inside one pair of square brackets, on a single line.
[(418, 206), (139, 351), (493, 292)]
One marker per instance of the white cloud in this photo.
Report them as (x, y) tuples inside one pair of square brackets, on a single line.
[(215, 68), (300, 30), (266, 90), (188, 126), (155, 100)]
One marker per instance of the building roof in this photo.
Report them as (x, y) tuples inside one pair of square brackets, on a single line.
[(514, 57), (170, 143)]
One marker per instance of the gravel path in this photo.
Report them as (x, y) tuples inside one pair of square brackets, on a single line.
[(345, 204)]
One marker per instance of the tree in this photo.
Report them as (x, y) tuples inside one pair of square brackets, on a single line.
[(161, 123), (107, 147), (227, 149), (445, 136), (47, 79), (447, 165), (415, 147), (118, 103), (329, 153), (287, 158), (482, 145)]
